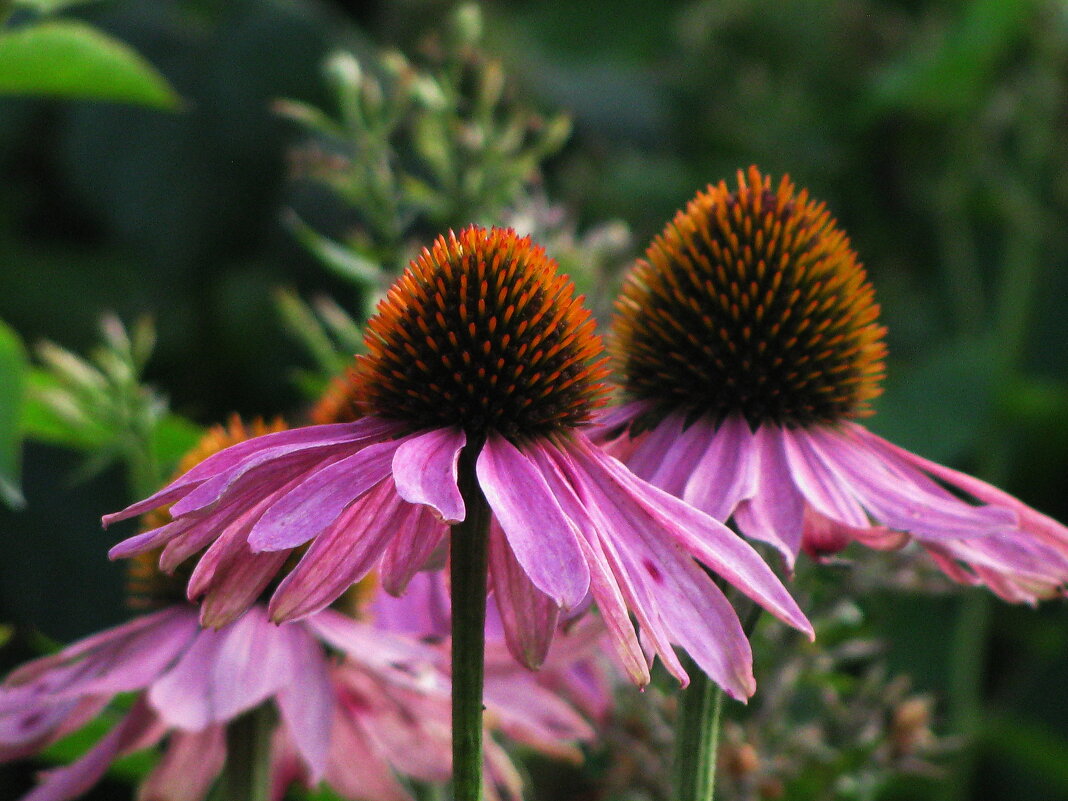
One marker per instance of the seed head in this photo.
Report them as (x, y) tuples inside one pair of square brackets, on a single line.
[(751, 301)]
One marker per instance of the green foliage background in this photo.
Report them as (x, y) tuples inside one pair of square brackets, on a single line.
[(935, 130)]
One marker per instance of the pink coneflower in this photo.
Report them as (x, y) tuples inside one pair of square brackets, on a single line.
[(192, 683), (748, 342), (481, 369)]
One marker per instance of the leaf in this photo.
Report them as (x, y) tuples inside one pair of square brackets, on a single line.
[(953, 75), (345, 262), (51, 6), (173, 437), (64, 58), (13, 365)]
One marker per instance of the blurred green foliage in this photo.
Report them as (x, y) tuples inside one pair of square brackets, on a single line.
[(934, 129)]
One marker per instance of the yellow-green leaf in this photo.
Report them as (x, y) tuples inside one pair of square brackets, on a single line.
[(12, 396), (69, 59)]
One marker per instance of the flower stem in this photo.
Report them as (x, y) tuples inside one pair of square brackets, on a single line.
[(468, 566), (697, 737), (247, 773)]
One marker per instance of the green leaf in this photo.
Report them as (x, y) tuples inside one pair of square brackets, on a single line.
[(345, 262), (174, 436), (64, 58), (51, 6), (13, 366)]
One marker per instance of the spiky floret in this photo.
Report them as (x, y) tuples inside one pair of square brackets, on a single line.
[(481, 332), (148, 587), (751, 301)]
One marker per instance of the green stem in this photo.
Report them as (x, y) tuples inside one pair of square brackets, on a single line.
[(697, 737), (468, 566), (247, 772)]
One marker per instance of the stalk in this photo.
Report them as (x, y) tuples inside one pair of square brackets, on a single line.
[(468, 568)]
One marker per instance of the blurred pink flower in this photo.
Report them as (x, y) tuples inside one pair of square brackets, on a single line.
[(356, 724)]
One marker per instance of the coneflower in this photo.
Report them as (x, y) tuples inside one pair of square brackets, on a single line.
[(748, 344), (481, 368)]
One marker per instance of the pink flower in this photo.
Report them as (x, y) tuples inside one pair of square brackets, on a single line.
[(192, 682), (747, 340), (357, 724), (479, 359)]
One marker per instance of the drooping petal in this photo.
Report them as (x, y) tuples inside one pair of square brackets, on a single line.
[(674, 599), (603, 585), (528, 615), (775, 511), (425, 472), (820, 486), (899, 503), (418, 535), (183, 696), (231, 458), (404, 660), (648, 454), (1052, 532), (316, 503), (253, 661), (356, 771), (307, 702), (682, 456), (543, 540), (422, 613), (341, 555), (628, 500), (189, 765), (71, 781), (727, 473)]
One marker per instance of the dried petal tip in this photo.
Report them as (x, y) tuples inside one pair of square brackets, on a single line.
[(751, 302), (482, 333)]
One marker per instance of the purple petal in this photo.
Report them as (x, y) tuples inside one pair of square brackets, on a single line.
[(230, 458), (61, 784), (424, 469), (341, 555), (775, 511), (898, 502), (189, 765), (183, 696), (423, 611), (417, 536), (399, 659), (307, 702), (633, 508), (674, 599), (727, 473), (541, 537), (139, 659), (648, 456), (237, 584), (528, 615), (316, 503), (682, 457), (820, 486), (603, 585), (356, 771)]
